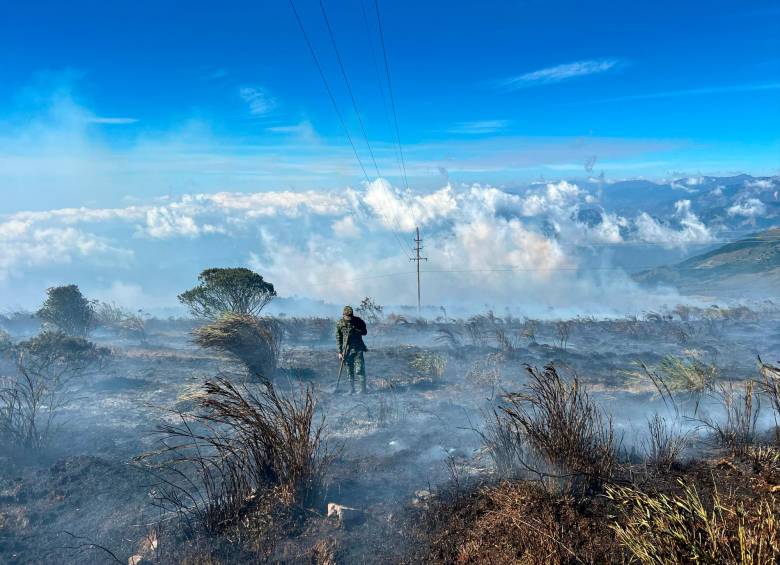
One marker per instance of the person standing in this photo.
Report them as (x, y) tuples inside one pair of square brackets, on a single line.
[(350, 330)]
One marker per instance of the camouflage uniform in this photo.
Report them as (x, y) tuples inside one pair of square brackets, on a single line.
[(349, 341)]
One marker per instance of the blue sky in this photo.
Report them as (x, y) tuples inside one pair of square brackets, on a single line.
[(496, 92), (148, 136)]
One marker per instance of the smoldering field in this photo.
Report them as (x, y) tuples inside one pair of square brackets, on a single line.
[(426, 428)]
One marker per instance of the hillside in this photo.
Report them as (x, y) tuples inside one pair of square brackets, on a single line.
[(748, 266)]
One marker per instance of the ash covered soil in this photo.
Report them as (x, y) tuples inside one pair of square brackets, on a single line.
[(430, 387)]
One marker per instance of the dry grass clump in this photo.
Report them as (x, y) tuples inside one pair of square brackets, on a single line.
[(509, 344), (663, 445), (735, 429), (428, 365), (514, 522), (682, 528), (688, 375), (245, 449), (253, 341), (486, 373), (502, 445), (558, 420)]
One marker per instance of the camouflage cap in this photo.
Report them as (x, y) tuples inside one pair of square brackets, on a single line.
[(347, 310)]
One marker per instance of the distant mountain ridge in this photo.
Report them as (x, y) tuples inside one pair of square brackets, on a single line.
[(747, 266)]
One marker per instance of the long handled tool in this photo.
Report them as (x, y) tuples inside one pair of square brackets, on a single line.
[(341, 368)]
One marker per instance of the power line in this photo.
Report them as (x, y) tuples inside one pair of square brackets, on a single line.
[(375, 64), (349, 87), (392, 97), (327, 88), (360, 120), (336, 107)]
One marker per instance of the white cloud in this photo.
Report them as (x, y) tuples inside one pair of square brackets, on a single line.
[(346, 227), (404, 212), (166, 222), (303, 130), (560, 73), (112, 121), (24, 246), (692, 92), (749, 208), (479, 127), (692, 229), (259, 100), (760, 184)]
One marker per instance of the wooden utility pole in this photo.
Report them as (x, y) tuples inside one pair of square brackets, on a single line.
[(417, 248)]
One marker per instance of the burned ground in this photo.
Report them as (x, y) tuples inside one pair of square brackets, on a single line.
[(401, 449)]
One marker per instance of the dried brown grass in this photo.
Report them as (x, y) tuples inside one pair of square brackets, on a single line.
[(254, 341)]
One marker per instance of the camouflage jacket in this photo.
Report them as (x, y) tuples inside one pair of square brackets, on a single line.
[(349, 334)]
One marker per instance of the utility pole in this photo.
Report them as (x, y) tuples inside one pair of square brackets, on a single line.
[(417, 248)]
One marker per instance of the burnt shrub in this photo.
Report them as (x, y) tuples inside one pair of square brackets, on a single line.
[(40, 386)]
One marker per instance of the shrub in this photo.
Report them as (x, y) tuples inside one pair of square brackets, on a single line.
[(253, 341), (560, 422), (31, 399), (122, 322), (563, 327), (450, 338), (369, 310), (67, 310), (221, 291)]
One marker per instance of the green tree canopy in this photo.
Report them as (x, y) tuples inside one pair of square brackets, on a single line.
[(221, 291), (66, 309)]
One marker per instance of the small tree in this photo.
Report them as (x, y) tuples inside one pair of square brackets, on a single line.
[(370, 310), (67, 310), (221, 291)]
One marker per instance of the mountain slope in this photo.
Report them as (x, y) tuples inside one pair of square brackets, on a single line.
[(748, 266)]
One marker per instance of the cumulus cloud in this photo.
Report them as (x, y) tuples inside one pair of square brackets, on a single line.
[(405, 211), (165, 222), (691, 228), (760, 184), (346, 227), (748, 208), (24, 246), (485, 244)]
